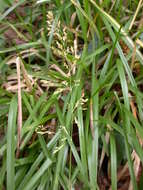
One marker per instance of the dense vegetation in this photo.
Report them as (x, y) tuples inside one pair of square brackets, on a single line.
[(71, 102)]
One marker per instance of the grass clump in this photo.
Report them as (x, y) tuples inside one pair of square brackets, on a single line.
[(71, 95)]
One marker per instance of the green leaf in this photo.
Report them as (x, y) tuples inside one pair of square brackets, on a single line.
[(11, 144), (38, 174), (113, 155)]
